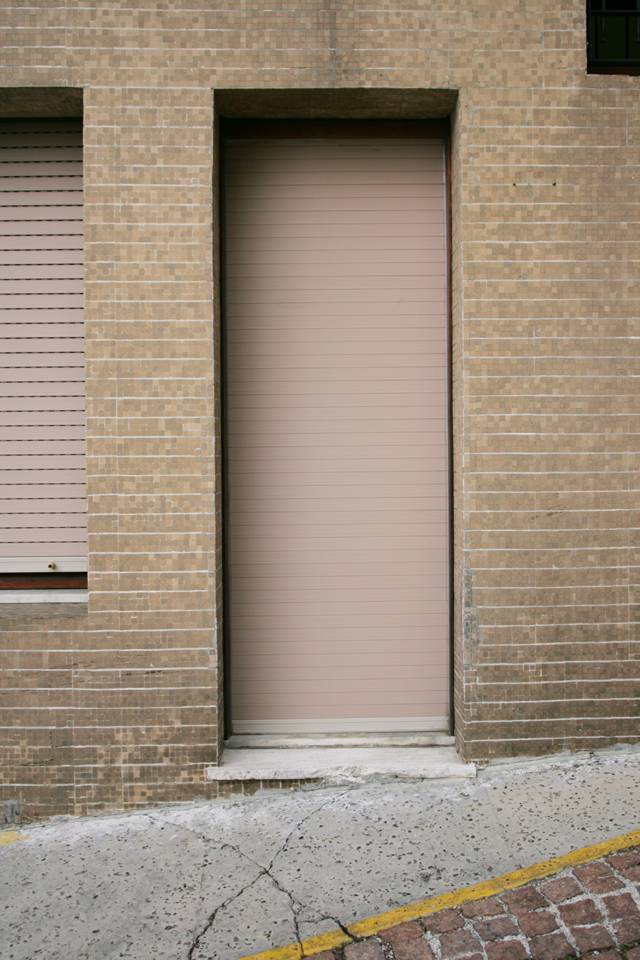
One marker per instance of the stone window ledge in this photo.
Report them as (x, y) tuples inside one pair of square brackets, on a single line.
[(49, 604)]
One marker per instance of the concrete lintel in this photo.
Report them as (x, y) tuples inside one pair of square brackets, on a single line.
[(379, 103), (40, 101)]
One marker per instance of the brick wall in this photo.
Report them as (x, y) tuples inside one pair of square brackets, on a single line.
[(120, 706)]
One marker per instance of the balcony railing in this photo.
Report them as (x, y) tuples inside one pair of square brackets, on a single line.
[(613, 35)]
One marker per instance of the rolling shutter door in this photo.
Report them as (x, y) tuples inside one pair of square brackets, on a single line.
[(337, 435), (42, 426)]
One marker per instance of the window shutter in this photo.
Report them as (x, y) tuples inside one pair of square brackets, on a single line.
[(42, 394)]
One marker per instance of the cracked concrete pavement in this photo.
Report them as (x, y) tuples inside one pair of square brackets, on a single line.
[(226, 878)]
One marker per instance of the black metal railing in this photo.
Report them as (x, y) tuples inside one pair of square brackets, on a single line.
[(613, 34)]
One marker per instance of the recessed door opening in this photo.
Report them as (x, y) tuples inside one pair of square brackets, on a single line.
[(336, 428)]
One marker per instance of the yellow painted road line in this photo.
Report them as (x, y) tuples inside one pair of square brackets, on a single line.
[(454, 898), (12, 836)]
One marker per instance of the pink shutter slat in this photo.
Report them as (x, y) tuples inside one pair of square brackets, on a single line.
[(39, 155), (42, 432), (36, 330), (41, 212), (53, 492), (61, 432), (38, 301), (40, 228), (52, 547), (40, 506), (53, 315), (37, 271), (64, 399), (39, 242), (38, 256), (28, 184), (54, 168), (39, 196), (33, 345)]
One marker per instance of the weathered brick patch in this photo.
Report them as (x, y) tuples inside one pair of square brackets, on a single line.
[(591, 910)]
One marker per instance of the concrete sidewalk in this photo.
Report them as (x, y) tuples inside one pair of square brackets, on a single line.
[(230, 878)]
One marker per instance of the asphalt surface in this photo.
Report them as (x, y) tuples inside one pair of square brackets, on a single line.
[(228, 878)]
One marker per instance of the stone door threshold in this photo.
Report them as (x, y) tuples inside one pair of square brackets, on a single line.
[(262, 741), (343, 763)]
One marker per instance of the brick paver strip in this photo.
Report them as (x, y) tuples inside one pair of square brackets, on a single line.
[(565, 888), (580, 913), (538, 923), (496, 928), (593, 906), (365, 950), (552, 946), (489, 907), (412, 950)]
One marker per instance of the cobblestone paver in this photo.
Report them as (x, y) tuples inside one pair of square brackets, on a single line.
[(591, 910)]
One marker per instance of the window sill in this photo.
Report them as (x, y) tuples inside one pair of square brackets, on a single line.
[(613, 70), (44, 596), (43, 604)]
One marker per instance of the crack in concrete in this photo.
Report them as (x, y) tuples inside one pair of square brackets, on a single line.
[(223, 844), (293, 899), (196, 941), (308, 817), (296, 906), (219, 844), (294, 902)]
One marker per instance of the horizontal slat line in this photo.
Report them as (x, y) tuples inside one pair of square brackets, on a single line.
[(28, 508), (39, 228), (26, 379), (25, 318), (396, 415), (42, 243), (51, 535), (301, 192), (40, 348), (40, 169), (35, 258), (64, 404), (39, 182), (60, 197), (26, 215)]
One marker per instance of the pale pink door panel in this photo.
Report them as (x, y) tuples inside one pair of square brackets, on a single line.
[(42, 392), (337, 434)]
